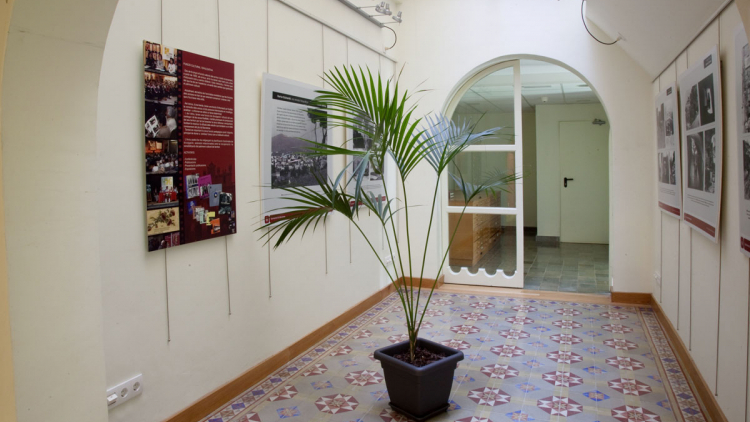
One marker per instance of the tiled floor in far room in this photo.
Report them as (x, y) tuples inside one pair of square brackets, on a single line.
[(569, 267), (526, 360)]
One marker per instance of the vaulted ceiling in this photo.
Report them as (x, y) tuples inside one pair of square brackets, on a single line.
[(654, 31)]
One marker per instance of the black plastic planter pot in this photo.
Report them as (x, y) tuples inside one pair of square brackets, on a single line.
[(419, 393)]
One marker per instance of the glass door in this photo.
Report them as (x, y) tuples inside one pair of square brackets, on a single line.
[(487, 234)]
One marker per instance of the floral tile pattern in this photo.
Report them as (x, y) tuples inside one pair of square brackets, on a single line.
[(525, 360)]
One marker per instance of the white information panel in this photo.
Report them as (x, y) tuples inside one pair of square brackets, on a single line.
[(669, 177), (742, 78), (286, 122), (700, 106), (372, 182)]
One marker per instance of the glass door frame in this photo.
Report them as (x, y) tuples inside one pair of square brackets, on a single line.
[(482, 278)]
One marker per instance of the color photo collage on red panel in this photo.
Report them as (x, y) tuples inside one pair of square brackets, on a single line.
[(189, 147)]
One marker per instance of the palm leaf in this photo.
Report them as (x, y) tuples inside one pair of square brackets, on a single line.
[(445, 139)]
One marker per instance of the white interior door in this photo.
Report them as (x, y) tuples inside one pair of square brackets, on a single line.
[(584, 184), (487, 247)]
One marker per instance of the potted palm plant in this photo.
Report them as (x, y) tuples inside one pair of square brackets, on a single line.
[(418, 372)]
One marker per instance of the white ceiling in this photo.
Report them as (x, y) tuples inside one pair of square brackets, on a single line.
[(655, 31), (494, 93)]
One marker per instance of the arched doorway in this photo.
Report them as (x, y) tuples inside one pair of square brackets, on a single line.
[(550, 230)]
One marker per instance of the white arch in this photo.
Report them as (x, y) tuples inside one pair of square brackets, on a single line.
[(50, 88)]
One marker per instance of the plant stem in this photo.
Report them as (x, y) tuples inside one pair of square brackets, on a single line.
[(408, 308), (453, 236), (426, 242), (408, 247), (393, 280)]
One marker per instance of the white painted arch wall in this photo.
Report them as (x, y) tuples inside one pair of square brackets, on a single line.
[(451, 44)]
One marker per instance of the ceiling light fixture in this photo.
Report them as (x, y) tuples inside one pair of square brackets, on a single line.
[(384, 10)]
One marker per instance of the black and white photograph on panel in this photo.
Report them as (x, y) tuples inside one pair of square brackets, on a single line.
[(700, 99), (358, 140), (692, 109), (663, 171), (290, 124), (660, 133), (375, 175), (672, 156), (669, 138), (745, 89), (355, 165), (706, 96), (709, 160), (742, 107), (695, 161), (669, 159)]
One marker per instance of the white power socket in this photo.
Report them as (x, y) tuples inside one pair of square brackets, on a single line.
[(125, 391), (657, 278)]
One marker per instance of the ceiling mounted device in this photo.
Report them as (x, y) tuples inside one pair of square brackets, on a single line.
[(384, 10)]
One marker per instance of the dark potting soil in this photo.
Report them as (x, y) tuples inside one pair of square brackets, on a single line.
[(422, 357)]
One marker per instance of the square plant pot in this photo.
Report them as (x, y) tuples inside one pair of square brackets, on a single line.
[(419, 393)]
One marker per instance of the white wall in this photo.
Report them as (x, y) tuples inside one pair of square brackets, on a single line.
[(704, 288), (312, 281), (493, 120), (548, 118), (444, 43)]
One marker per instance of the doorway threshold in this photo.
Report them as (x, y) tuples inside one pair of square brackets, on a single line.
[(531, 294)]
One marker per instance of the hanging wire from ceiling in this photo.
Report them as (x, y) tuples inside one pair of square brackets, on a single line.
[(583, 19), (395, 38)]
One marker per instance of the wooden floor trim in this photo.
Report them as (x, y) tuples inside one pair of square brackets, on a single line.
[(222, 395), (705, 395), (632, 298)]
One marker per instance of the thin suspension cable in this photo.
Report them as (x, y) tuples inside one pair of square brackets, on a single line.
[(592, 35), (395, 38)]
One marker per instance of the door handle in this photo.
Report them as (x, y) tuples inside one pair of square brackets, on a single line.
[(565, 181)]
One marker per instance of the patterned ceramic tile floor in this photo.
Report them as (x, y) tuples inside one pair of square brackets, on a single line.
[(569, 267), (526, 360)]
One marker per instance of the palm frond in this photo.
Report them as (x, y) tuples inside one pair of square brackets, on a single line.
[(444, 139), (307, 208), (378, 111)]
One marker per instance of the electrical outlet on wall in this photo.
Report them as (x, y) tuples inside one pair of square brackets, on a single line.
[(125, 391), (657, 278)]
